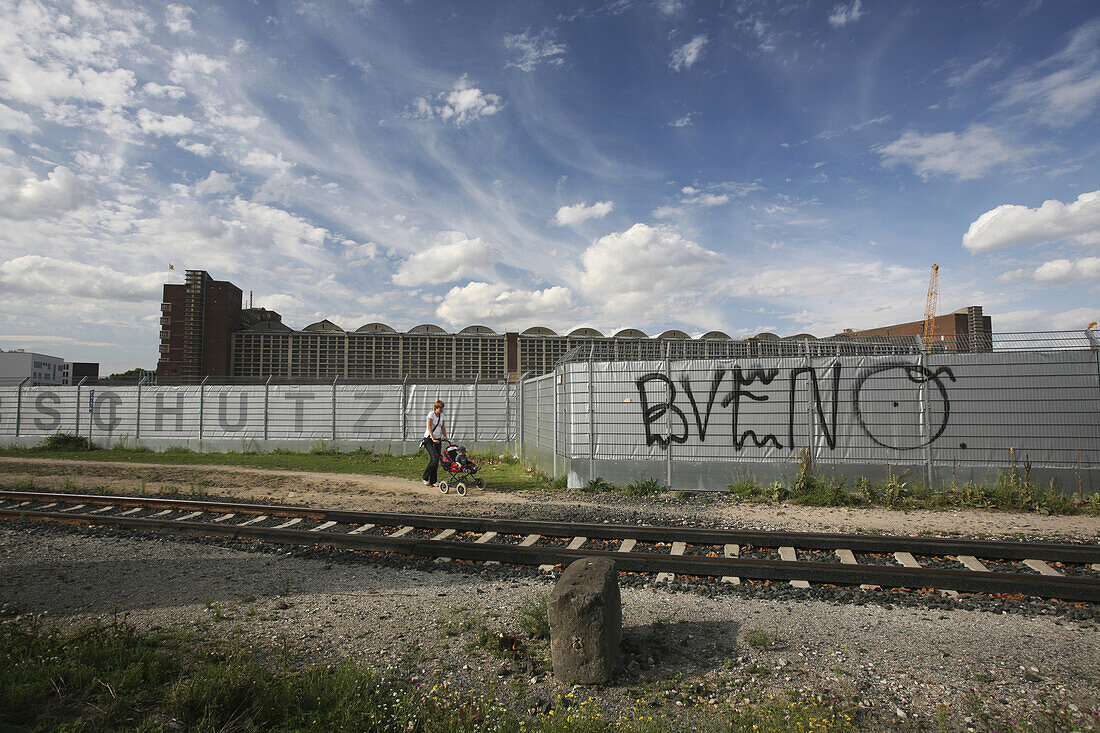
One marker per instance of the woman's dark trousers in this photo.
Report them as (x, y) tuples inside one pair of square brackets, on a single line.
[(433, 454)]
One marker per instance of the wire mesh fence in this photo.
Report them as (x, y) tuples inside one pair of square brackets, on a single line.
[(935, 413)]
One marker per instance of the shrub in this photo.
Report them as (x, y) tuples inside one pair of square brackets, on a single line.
[(643, 486), (598, 485), (66, 442)]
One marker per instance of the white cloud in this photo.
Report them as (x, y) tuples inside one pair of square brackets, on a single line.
[(480, 302), (1064, 89), (187, 66), (1011, 224), (531, 50), (24, 196), (464, 103), (47, 275), (454, 256), (685, 56), (577, 213), (715, 194), (214, 184), (357, 253), (844, 14), (645, 269), (164, 125), (16, 121), (167, 91), (201, 149), (684, 121), (671, 7), (178, 18), (970, 155), (265, 160), (1064, 270)]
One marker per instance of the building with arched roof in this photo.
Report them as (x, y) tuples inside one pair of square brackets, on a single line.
[(227, 340)]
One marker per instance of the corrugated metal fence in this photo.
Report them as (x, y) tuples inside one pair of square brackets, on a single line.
[(260, 417), (931, 414)]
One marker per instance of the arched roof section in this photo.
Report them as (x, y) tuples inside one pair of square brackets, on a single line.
[(324, 325), (427, 328), (375, 328), (673, 333), (800, 337), (585, 333), (477, 330), (631, 333), (717, 335), (538, 331), (764, 336)]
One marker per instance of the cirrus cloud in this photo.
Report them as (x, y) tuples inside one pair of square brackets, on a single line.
[(685, 56)]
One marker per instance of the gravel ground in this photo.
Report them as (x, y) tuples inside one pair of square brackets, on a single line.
[(685, 646)]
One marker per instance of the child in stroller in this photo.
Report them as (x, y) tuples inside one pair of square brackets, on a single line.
[(461, 468)]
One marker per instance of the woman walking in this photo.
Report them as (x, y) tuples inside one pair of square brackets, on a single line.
[(436, 431)]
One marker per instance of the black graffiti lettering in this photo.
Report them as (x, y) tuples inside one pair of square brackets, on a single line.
[(161, 410), (54, 421), (740, 380), (828, 427), (702, 422), (223, 412), (113, 402), (299, 398), (916, 374), (653, 413)]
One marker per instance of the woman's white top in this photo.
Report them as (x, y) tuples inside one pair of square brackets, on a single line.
[(436, 421)]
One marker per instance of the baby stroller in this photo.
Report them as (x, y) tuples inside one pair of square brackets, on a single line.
[(461, 469)]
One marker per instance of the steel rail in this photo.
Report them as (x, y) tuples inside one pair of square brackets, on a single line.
[(1062, 587), (877, 544)]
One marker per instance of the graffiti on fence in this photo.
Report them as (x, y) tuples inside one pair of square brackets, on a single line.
[(824, 392)]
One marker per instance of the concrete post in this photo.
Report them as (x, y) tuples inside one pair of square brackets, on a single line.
[(19, 406)]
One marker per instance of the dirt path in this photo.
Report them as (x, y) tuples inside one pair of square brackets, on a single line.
[(388, 493)]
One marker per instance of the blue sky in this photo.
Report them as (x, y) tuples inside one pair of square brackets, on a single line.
[(741, 166)]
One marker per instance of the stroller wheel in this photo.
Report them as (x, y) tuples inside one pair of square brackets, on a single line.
[(480, 483), (461, 488), (444, 486)]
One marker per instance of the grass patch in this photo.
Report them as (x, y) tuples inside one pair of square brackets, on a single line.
[(643, 486), (532, 615), (1012, 490), (760, 638), (499, 474)]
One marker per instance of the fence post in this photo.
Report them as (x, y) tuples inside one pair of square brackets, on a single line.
[(519, 418), (76, 417), (19, 406), (811, 428), (404, 413), (137, 416), (926, 427), (267, 405), (591, 418), (668, 419), (554, 438), (202, 410), (476, 410), (334, 381)]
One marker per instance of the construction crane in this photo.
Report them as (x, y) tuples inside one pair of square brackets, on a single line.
[(930, 307)]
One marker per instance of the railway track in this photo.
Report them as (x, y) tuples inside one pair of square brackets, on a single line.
[(1048, 570)]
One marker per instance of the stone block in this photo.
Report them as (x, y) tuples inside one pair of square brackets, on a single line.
[(586, 622)]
